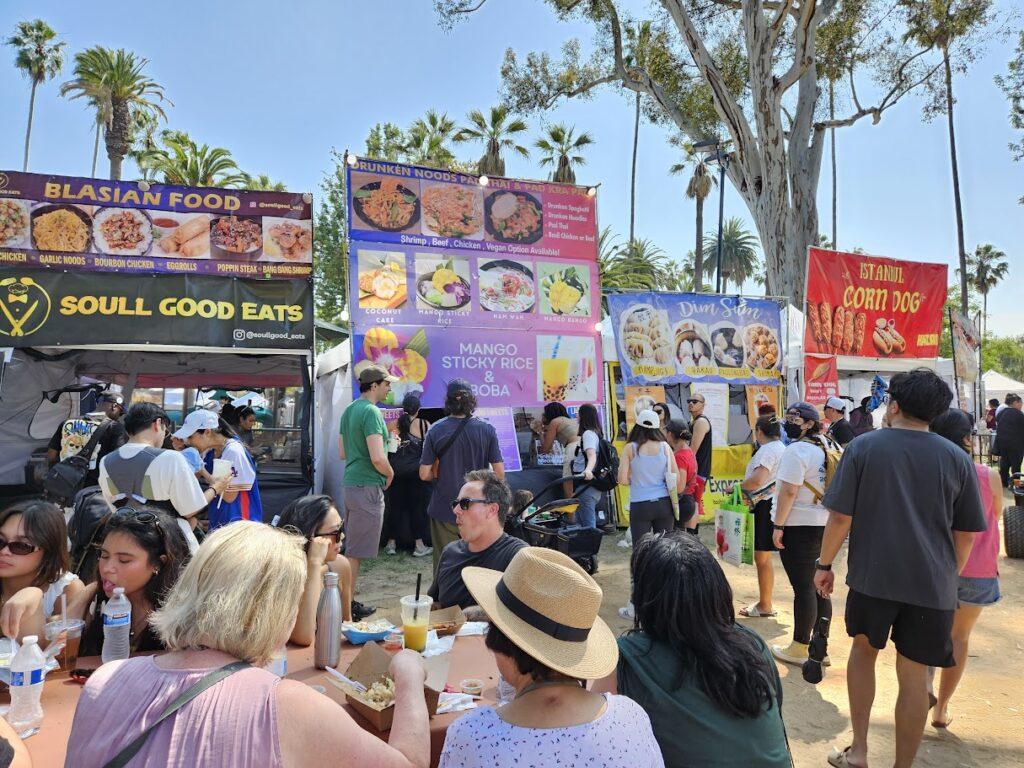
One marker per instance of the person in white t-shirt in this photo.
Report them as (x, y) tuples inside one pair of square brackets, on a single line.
[(759, 487), (140, 470), (584, 463), (799, 521)]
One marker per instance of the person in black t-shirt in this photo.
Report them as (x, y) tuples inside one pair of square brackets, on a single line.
[(700, 444), (76, 432), (840, 429), (1010, 438)]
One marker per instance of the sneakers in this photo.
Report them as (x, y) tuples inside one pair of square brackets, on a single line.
[(422, 551), (360, 611), (796, 653), (627, 612), (390, 549)]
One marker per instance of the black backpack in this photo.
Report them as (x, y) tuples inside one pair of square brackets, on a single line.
[(606, 470), (90, 511), (65, 479), (406, 460)]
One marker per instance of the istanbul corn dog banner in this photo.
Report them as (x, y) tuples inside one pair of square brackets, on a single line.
[(873, 306), (71, 223)]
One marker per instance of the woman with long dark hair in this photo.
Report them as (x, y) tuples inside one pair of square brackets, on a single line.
[(556, 426), (405, 502), (708, 684), (585, 461)]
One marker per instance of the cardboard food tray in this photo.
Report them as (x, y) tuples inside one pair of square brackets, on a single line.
[(447, 621), (370, 665)]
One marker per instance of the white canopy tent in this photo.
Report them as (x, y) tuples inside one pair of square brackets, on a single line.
[(998, 386)]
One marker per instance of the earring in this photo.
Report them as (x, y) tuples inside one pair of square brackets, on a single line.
[(156, 571)]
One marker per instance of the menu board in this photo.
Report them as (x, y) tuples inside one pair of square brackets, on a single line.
[(508, 442), (412, 205), (71, 223), (676, 338)]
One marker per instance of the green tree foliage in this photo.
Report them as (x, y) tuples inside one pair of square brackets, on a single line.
[(1013, 86), (182, 161), (330, 246), (498, 131), (40, 57), (560, 148), (1004, 354), (986, 268), (739, 253), (386, 141), (262, 183)]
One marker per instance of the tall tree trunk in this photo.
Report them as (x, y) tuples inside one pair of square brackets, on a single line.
[(698, 252), (632, 181), (984, 314), (95, 149), (117, 135), (28, 128), (961, 250), (832, 131)]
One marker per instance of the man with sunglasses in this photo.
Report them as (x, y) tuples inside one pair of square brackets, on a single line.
[(480, 509), (700, 444)]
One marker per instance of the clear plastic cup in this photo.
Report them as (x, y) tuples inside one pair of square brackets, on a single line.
[(68, 632), (416, 621)]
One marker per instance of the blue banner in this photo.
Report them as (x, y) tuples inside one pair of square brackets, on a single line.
[(677, 338)]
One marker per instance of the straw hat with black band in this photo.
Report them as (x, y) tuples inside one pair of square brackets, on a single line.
[(548, 607)]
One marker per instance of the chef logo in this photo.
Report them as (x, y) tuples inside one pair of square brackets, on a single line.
[(24, 306), (4, 181)]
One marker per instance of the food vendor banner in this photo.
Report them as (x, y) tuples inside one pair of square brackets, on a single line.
[(46, 308), (428, 207), (676, 338), (966, 342), (641, 399), (872, 306), (71, 223), (759, 395), (821, 379)]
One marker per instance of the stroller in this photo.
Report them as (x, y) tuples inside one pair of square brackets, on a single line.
[(547, 526)]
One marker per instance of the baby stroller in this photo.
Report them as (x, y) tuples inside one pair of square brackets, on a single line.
[(549, 525)]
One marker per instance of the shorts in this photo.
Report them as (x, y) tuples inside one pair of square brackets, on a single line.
[(698, 493), (764, 531), (924, 635), (364, 520), (687, 509), (978, 591)]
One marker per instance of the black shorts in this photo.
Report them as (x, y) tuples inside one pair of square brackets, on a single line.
[(924, 635), (687, 509), (763, 529)]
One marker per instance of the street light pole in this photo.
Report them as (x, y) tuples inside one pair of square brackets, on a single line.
[(723, 163)]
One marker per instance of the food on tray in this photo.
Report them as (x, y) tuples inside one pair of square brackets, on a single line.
[(293, 240), (646, 337), (13, 222), (506, 286), (762, 346), (727, 346), (514, 217), (452, 211), (235, 235), (370, 627), (443, 288), (191, 239), (383, 286), (381, 693), (60, 230), (692, 346), (122, 231), (386, 204), (566, 292), (444, 627)]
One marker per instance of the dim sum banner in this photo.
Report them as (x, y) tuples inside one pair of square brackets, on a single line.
[(872, 306), (70, 223), (44, 308), (676, 338), (416, 206)]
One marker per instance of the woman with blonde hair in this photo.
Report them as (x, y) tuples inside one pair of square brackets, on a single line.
[(234, 604)]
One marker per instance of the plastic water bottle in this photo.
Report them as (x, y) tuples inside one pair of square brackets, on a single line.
[(27, 673), (327, 647), (117, 627)]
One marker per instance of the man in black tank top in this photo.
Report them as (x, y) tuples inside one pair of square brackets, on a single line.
[(700, 427)]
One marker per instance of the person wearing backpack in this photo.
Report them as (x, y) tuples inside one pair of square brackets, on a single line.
[(585, 463), (798, 520), (405, 502)]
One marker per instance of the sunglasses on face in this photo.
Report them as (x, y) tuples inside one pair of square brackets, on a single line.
[(17, 547), (465, 503), (337, 534), (694, 401)]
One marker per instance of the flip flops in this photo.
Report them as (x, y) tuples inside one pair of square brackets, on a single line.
[(943, 726), (753, 612), (839, 759)]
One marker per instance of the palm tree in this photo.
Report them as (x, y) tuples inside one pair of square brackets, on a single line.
[(561, 149), (182, 161), (988, 267), (638, 265), (428, 139), (496, 134), (262, 183), (637, 55), (701, 182), (116, 80), (40, 55), (739, 253)]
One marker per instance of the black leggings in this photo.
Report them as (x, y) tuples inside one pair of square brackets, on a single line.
[(650, 516), (802, 547)]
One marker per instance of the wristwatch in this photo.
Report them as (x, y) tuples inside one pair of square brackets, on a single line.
[(818, 565)]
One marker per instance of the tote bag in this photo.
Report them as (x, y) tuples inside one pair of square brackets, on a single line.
[(734, 530)]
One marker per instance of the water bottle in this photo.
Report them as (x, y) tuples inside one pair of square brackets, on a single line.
[(327, 648), (117, 627), (27, 673)]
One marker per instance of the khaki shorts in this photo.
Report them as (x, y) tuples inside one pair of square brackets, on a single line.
[(364, 519)]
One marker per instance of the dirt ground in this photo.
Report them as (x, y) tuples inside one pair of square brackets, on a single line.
[(988, 709)]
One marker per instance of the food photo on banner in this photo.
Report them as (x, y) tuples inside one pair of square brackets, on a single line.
[(966, 342), (821, 379), (674, 338), (68, 222)]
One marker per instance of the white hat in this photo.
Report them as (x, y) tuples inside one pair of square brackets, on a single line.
[(195, 421), (836, 404), (648, 418)]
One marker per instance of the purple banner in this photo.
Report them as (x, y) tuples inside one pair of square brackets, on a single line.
[(504, 424)]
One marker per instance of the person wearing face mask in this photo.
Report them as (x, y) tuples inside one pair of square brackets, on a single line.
[(799, 521)]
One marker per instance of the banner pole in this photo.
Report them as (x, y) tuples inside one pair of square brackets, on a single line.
[(956, 377)]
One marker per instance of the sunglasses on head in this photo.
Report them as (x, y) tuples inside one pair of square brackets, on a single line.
[(465, 503), (17, 547), (122, 515)]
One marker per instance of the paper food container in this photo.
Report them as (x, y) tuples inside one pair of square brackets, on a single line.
[(221, 468), (370, 665), (447, 621)]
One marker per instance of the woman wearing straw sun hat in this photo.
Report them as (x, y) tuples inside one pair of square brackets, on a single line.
[(548, 640)]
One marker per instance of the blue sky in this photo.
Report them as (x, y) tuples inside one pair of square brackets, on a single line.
[(280, 84)]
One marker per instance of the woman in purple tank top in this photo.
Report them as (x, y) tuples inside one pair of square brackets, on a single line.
[(236, 601)]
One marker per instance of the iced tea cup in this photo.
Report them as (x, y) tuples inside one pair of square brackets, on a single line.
[(69, 632), (416, 621)]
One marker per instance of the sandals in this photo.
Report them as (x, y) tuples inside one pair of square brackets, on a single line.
[(943, 726), (753, 612), (839, 759)]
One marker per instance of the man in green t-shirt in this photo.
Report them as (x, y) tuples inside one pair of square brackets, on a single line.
[(368, 473)]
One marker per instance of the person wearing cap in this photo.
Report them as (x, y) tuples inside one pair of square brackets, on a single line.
[(798, 520), (72, 435), (548, 640), (368, 473), (839, 428), (457, 444), (213, 438), (700, 444)]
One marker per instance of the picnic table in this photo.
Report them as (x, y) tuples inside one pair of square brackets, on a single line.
[(468, 658)]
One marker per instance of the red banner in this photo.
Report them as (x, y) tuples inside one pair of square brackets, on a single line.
[(821, 379), (872, 306)]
